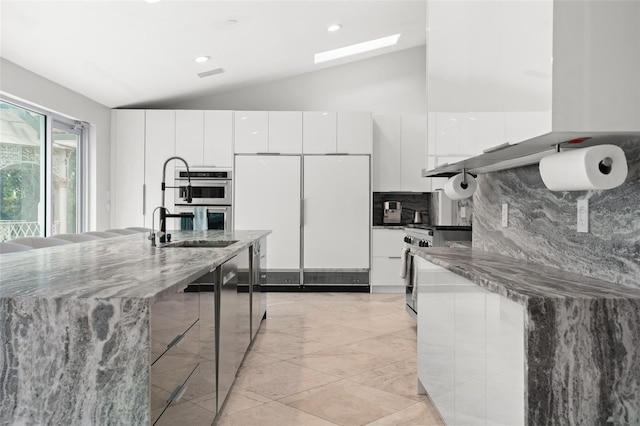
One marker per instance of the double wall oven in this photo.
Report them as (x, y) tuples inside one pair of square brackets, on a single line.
[(212, 195), (422, 236)]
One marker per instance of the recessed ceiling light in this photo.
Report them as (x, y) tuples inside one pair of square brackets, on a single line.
[(354, 49), (201, 59), (334, 27)]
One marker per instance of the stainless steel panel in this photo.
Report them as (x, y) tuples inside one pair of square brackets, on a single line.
[(227, 337), (258, 278), (243, 305)]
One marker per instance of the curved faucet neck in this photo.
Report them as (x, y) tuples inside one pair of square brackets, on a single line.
[(164, 173)]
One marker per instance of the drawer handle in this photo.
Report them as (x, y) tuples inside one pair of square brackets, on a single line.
[(394, 257), (175, 341), (177, 394)]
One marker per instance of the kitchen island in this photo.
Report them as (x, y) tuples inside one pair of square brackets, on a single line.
[(75, 324), (506, 341)]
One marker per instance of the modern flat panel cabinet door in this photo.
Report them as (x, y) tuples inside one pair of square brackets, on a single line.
[(127, 168), (190, 137), (251, 132), (354, 132), (413, 151), (386, 152), (268, 197), (336, 212), (218, 138), (159, 146), (285, 132), (319, 132)]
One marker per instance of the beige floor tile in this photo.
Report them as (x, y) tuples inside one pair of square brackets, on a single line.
[(387, 346), (420, 414), (281, 379), (241, 399), (332, 334), (324, 337), (399, 378), (256, 359), (284, 346), (347, 403), (340, 361), (272, 414), (186, 414)]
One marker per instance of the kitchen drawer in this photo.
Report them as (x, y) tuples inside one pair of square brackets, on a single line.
[(386, 272), (387, 242)]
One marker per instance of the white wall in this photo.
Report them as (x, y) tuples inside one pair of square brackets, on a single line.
[(32, 88), (386, 84)]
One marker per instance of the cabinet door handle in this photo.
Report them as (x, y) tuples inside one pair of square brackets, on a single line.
[(177, 394), (301, 212), (176, 340), (144, 199)]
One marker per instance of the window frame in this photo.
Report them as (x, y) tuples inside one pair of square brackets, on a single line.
[(51, 120)]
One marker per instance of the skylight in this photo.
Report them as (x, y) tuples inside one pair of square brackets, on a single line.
[(355, 49)]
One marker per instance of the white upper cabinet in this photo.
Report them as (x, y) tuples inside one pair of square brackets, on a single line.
[(354, 132), (190, 136), (205, 138), (319, 132), (489, 74), (400, 153), (160, 129), (596, 64), (413, 151), (251, 132), (127, 168), (285, 132), (386, 152), (218, 139)]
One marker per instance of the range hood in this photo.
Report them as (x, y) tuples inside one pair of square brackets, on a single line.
[(595, 87)]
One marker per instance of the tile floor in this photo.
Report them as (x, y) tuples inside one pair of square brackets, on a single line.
[(330, 359)]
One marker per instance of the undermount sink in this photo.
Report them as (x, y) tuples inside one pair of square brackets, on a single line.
[(201, 243)]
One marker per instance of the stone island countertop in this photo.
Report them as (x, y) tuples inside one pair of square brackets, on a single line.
[(75, 324), (126, 266)]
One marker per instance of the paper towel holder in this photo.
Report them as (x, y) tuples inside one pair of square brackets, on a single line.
[(605, 166), (607, 172)]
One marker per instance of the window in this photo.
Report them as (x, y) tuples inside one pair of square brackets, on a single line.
[(41, 168)]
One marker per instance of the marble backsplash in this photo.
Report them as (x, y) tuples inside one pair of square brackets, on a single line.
[(542, 223), (411, 201)]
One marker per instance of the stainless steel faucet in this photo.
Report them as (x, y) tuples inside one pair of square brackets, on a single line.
[(162, 233)]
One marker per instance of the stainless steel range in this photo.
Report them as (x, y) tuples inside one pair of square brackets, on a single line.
[(426, 236)]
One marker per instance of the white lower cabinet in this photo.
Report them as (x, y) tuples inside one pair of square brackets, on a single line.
[(470, 349), (385, 266)]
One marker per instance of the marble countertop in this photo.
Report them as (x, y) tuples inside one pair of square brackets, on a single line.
[(520, 280), (122, 267), (458, 244)]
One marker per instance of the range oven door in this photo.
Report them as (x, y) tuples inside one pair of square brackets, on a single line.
[(206, 217)]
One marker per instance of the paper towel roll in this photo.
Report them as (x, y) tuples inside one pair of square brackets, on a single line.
[(595, 167), (456, 190)]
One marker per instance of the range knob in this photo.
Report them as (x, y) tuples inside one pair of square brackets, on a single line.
[(407, 239)]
